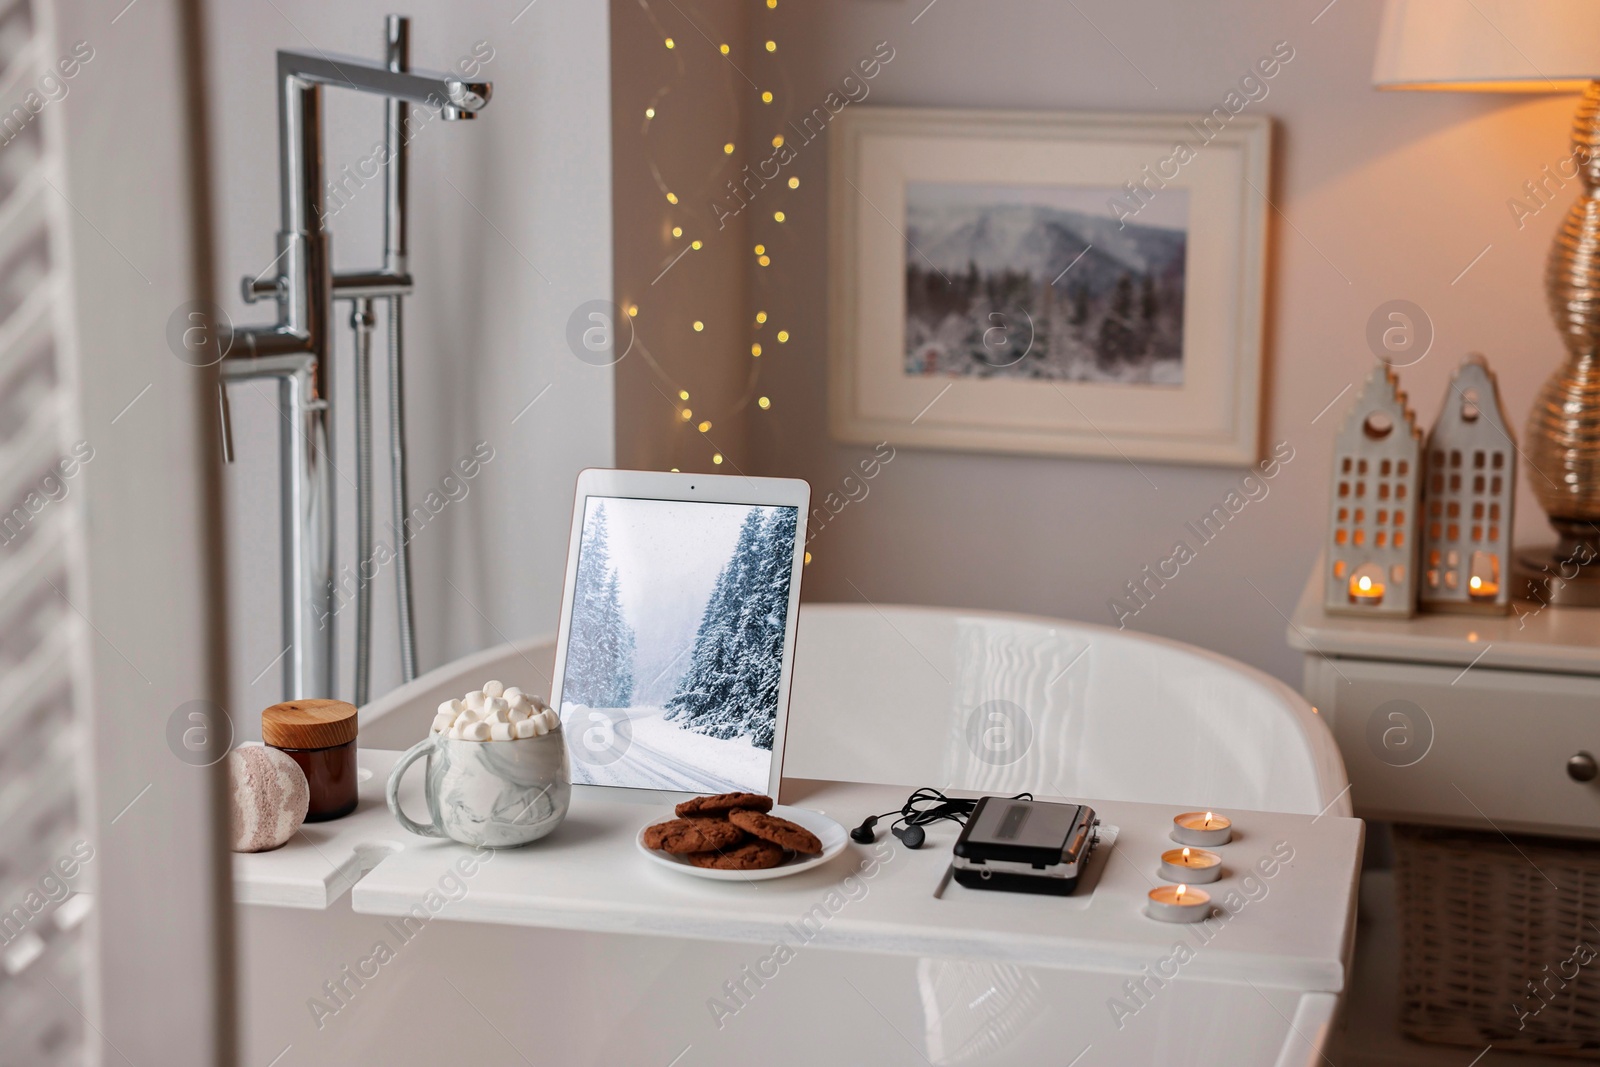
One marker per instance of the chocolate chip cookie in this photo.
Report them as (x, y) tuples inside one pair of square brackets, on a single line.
[(754, 855), (692, 835), (780, 832), (719, 805)]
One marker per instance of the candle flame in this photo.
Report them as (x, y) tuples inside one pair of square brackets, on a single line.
[(1186, 853), (1364, 583), (1208, 818), (1178, 896), (1475, 582)]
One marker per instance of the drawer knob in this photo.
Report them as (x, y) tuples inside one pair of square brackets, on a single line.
[(1582, 768)]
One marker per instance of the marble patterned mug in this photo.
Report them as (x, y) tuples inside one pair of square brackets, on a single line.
[(495, 794)]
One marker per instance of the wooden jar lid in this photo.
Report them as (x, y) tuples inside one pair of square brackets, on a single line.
[(309, 724)]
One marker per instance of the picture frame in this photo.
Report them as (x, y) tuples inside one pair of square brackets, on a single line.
[(1146, 343)]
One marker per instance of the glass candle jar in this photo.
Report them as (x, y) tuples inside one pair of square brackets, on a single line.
[(319, 735)]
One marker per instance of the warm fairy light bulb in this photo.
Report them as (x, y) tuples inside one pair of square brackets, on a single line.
[(676, 471), (633, 310), (1363, 583), (723, 49), (777, 216), (761, 316), (808, 557), (772, 46), (686, 414), (777, 142), (772, 3), (649, 112), (698, 325), (764, 261), (727, 149), (783, 337), (695, 245), (671, 43), (766, 96), (705, 427), (683, 394), (794, 183), (672, 198), (761, 250), (763, 403), (677, 231), (755, 350), (716, 457)]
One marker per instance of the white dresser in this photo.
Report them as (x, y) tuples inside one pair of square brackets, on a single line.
[(1488, 722)]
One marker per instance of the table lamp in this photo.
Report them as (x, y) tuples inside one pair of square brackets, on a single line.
[(1535, 46)]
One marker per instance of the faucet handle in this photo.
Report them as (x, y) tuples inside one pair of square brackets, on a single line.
[(254, 288)]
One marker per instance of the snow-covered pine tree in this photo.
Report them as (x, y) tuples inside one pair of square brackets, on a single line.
[(707, 684), (755, 696), (731, 687), (600, 644)]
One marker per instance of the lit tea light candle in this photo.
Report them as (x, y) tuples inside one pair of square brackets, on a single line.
[(1178, 904), (1364, 589), (1190, 865), (1479, 588), (1202, 828)]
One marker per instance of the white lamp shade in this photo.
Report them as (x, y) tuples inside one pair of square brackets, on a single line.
[(1530, 46)]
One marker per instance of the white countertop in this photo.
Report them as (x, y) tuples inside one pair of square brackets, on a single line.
[(1531, 638), (587, 876)]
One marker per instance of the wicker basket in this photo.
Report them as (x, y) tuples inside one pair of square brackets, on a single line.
[(1500, 940)]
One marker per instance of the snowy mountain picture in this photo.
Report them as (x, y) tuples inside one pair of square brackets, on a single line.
[(675, 646), (1043, 282)]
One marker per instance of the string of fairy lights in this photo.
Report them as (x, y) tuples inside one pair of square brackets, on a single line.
[(680, 220)]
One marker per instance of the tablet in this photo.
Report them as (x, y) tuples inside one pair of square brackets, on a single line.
[(677, 631)]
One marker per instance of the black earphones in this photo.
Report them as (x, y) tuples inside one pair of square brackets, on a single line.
[(921, 808), (911, 836)]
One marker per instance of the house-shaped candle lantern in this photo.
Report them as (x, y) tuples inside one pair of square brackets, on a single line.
[(1372, 528), (1469, 484)]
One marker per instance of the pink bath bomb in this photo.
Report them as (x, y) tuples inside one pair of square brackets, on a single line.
[(267, 797)]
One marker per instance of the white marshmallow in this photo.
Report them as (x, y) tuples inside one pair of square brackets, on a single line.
[(478, 731), (458, 705), (513, 695), (520, 712), (475, 701), (496, 709), (493, 689), (523, 728), (448, 708), (539, 728), (550, 719), (443, 721), (455, 731), (500, 731)]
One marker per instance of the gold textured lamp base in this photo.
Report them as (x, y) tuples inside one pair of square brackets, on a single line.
[(1563, 434)]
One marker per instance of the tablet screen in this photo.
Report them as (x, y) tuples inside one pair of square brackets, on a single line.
[(675, 643)]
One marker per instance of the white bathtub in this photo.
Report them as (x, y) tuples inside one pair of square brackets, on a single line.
[(896, 694), (888, 694)]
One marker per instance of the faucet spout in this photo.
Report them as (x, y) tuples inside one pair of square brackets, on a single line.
[(445, 93)]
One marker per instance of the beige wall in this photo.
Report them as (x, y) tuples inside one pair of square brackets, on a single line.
[(698, 97), (1379, 196)]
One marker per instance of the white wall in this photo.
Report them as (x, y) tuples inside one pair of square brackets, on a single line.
[(1378, 196), (511, 231)]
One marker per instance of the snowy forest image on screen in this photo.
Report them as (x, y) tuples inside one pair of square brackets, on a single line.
[(675, 648), (1044, 283)]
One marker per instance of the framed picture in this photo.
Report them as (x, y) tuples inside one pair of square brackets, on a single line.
[(1067, 283)]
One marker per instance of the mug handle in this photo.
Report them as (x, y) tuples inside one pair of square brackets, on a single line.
[(414, 753)]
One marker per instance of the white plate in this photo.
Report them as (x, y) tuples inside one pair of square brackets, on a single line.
[(830, 833)]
